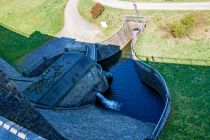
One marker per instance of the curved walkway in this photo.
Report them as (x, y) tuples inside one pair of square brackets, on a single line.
[(75, 26), (157, 6)]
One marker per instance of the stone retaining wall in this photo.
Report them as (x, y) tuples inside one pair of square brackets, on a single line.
[(154, 79), (119, 40), (14, 106), (11, 131), (83, 92)]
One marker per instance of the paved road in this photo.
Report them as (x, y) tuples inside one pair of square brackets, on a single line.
[(157, 6), (75, 26)]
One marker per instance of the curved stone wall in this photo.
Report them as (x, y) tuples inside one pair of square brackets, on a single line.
[(154, 79)]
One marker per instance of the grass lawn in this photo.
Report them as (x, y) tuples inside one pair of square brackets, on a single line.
[(188, 80), (190, 91), (167, 0), (26, 25)]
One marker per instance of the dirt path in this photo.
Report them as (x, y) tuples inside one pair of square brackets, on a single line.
[(157, 6), (75, 26)]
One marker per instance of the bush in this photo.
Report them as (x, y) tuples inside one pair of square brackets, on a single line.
[(96, 10), (189, 21), (177, 29), (182, 27)]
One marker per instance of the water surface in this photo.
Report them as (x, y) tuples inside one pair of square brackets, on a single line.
[(138, 100)]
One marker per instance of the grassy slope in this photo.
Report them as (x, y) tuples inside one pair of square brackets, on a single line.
[(154, 42), (190, 91), (189, 85), (168, 0), (25, 26)]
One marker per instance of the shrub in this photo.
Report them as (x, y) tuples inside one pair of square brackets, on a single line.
[(177, 29), (182, 27), (189, 21), (96, 10)]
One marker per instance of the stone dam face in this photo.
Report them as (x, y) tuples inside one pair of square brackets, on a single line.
[(55, 95)]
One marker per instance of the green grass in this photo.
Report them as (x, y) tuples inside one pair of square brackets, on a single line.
[(168, 0), (156, 40), (26, 25), (188, 80), (84, 7), (157, 43), (190, 91)]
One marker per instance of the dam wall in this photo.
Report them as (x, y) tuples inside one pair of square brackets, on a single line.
[(14, 106)]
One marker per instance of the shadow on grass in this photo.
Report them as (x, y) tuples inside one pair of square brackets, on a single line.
[(14, 45), (189, 86)]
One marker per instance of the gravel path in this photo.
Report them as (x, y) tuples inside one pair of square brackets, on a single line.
[(157, 6), (75, 26)]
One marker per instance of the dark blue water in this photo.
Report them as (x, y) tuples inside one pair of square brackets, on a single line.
[(138, 100)]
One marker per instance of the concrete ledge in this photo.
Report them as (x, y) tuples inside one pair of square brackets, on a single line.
[(11, 131)]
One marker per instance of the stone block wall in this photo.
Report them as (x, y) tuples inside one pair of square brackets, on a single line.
[(11, 131), (15, 107), (119, 40), (83, 92), (154, 79)]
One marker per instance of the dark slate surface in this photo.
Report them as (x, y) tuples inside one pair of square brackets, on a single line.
[(52, 75), (39, 66), (106, 51), (54, 45), (66, 83), (58, 80), (20, 82)]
